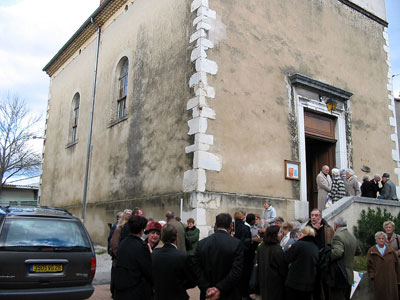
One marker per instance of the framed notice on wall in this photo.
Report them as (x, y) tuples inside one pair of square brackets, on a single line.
[(292, 170)]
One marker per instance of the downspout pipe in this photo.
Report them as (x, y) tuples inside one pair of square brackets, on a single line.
[(89, 147)]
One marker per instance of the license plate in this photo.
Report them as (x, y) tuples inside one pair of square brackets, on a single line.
[(42, 268)]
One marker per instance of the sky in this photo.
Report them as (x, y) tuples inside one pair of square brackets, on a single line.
[(32, 32)]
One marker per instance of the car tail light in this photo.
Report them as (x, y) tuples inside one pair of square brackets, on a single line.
[(92, 267)]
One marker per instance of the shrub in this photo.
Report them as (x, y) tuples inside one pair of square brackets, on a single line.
[(370, 223)]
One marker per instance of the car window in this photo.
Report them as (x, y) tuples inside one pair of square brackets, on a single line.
[(44, 232)]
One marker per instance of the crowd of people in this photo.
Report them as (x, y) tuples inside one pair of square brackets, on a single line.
[(344, 183), (245, 257)]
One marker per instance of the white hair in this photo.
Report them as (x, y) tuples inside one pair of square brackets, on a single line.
[(340, 222), (335, 172), (350, 171), (379, 233), (389, 223)]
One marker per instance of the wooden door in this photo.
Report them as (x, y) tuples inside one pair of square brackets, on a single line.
[(320, 150)]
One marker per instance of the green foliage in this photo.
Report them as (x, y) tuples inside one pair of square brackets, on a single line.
[(370, 223), (360, 263)]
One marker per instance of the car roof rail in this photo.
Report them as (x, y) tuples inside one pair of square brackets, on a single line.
[(19, 208), (57, 209)]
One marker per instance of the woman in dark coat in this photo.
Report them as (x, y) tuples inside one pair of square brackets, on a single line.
[(133, 277), (272, 268), (383, 269), (193, 234), (303, 259)]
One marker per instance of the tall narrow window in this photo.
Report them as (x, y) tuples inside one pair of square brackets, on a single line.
[(123, 88), (74, 120)]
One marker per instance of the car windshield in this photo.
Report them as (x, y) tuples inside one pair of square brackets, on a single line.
[(43, 232)]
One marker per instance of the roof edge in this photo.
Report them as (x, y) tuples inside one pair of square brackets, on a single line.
[(76, 34), (365, 12)]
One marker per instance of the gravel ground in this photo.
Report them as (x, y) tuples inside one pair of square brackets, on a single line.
[(103, 266)]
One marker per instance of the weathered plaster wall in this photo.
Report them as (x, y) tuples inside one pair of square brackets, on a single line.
[(139, 156), (262, 42)]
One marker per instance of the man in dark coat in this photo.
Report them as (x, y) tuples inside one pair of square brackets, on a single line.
[(324, 234), (172, 270), (371, 188), (303, 259), (344, 246), (218, 262), (133, 279), (242, 233), (179, 228)]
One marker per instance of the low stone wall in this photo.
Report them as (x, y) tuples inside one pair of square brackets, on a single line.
[(350, 209)]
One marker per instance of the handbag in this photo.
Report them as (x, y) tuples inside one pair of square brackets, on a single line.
[(254, 283), (328, 201)]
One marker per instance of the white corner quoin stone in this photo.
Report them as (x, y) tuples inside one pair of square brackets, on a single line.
[(197, 3), (194, 180), (196, 101), (207, 66), (197, 125), (204, 138), (207, 161)]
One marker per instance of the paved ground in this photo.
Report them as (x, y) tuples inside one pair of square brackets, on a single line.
[(101, 279), (102, 292)]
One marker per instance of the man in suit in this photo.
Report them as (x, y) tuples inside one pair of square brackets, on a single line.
[(324, 184), (218, 262), (344, 246), (171, 268), (179, 228), (375, 182), (370, 188)]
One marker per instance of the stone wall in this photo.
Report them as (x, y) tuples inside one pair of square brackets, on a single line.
[(350, 209)]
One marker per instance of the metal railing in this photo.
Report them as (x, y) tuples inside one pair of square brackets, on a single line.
[(18, 202)]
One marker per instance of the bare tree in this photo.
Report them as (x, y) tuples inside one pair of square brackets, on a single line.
[(16, 128)]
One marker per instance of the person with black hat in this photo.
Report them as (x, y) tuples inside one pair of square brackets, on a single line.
[(389, 189)]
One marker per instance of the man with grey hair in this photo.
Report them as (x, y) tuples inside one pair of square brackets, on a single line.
[(389, 189), (344, 246), (352, 186), (324, 184)]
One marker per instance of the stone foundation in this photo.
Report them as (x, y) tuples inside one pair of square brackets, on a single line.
[(201, 206)]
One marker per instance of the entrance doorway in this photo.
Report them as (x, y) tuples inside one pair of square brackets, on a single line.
[(318, 154), (320, 145)]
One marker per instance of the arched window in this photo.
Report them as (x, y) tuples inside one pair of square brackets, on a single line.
[(123, 88), (74, 119)]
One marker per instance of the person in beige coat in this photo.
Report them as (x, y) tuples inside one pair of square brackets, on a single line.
[(324, 184), (352, 185)]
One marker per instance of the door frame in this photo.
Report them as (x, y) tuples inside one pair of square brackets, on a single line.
[(303, 104)]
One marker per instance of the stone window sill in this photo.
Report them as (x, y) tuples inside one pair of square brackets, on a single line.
[(115, 122), (71, 144)]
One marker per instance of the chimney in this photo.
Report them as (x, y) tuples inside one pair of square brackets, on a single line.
[(101, 1)]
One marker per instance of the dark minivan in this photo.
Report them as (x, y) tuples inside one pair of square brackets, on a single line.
[(45, 253)]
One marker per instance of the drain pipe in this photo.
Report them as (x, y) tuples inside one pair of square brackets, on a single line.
[(85, 185)]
